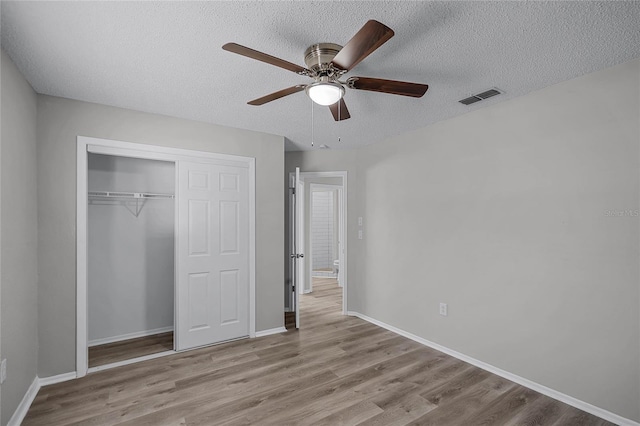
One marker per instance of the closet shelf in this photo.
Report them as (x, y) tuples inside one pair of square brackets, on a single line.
[(133, 201)]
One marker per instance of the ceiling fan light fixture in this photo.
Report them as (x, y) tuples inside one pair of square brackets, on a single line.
[(325, 92)]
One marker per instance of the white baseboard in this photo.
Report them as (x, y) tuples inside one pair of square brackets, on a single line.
[(23, 407), (45, 381), (128, 336), (30, 395), (584, 406), (271, 331)]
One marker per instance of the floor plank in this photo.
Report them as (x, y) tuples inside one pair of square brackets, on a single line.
[(129, 349), (335, 370)]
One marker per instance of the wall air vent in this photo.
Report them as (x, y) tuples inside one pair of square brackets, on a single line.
[(480, 97)]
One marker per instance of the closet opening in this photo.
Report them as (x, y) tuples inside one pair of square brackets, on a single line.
[(165, 251), (130, 258)]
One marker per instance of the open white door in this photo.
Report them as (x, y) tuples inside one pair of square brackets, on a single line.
[(301, 278), (213, 254), (341, 239), (294, 298), (296, 252)]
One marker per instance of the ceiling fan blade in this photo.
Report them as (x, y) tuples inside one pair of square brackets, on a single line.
[(254, 54), (371, 36), (277, 95), (339, 110), (404, 88)]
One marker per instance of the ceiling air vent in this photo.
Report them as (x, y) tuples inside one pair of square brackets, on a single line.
[(480, 97)]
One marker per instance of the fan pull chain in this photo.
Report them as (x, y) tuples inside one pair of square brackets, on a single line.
[(339, 110), (312, 124)]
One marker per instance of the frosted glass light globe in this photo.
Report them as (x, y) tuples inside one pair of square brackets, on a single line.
[(325, 93)]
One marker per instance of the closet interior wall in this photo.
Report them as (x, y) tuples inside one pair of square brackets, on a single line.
[(130, 258)]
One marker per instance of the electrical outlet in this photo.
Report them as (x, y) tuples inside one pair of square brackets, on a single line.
[(443, 309), (3, 371), (360, 221), (360, 234)]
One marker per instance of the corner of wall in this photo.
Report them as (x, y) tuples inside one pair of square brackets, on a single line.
[(19, 235)]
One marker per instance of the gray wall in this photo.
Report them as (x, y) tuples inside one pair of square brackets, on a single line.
[(522, 217), (19, 274), (130, 258), (60, 121)]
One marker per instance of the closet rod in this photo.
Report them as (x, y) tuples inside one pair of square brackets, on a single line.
[(128, 195), (133, 201)]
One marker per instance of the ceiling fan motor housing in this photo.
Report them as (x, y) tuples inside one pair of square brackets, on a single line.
[(317, 57)]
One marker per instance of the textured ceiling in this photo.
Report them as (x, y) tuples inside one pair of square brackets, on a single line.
[(166, 57)]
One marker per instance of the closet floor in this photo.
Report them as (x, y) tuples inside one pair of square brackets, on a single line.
[(128, 349)]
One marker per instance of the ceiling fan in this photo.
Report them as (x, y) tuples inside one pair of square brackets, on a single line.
[(327, 63)]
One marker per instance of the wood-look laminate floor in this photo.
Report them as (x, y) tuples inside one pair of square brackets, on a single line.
[(335, 370), (129, 349)]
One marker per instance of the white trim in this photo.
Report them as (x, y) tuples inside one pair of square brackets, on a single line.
[(136, 150), (82, 333), (323, 187), (176, 252), (129, 336), (130, 361), (22, 409), (157, 152), (574, 402), (52, 380), (270, 331), (252, 247), (302, 283)]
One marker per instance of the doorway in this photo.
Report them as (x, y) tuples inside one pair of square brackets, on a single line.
[(324, 233), (332, 262), (213, 248)]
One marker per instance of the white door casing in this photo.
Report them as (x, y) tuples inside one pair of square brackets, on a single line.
[(299, 242), (301, 281), (298, 179), (151, 152), (213, 254), (293, 251), (338, 220)]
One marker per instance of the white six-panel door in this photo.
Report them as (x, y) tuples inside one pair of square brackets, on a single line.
[(213, 254)]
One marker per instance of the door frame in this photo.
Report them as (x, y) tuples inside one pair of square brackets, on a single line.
[(343, 215), (337, 219), (87, 145)]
